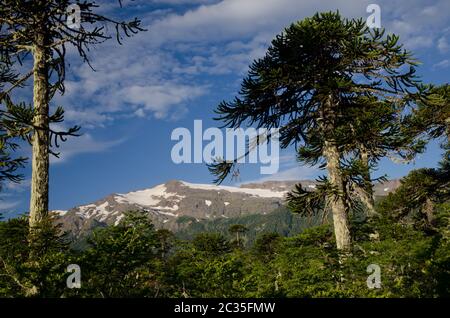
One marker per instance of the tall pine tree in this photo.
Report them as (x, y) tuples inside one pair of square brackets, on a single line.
[(432, 116), (312, 76), (9, 165), (43, 29)]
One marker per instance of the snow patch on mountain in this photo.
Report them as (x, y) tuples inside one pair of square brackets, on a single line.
[(59, 212), (263, 193), (153, 198), (167, 203)]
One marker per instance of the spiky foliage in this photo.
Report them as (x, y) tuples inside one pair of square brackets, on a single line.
[(41, 275), (17, 119), (238, 230), (433, 114), (40, 30), (323, 82), (419, 194), (22, 20), (8, 145), (319, 55), (9, 165)]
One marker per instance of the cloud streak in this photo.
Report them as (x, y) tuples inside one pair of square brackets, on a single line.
[(162, 71), (84, 144)]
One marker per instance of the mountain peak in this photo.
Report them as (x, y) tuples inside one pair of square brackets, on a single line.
[(167, 202)]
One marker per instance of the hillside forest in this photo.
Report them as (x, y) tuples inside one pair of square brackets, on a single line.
[(344, 96)]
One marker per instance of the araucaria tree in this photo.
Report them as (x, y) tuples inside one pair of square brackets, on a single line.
[(310, 83), (8, 164), (42, 30), (432, 116)]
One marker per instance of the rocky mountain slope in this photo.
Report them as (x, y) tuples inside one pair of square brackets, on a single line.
[(176, 204)]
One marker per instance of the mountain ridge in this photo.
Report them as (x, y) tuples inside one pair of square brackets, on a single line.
[(167, 202)]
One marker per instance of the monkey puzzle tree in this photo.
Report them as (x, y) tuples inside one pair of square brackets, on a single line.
[(374, 129), (43, 29), (8, 165), (433, 114), (306, 83), (238, 230), (423, 188)]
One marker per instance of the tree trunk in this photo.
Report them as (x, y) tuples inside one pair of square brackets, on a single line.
[(367, 200), (40, 139), (428, 209), (366, 195), (447, 121), (337, 203)]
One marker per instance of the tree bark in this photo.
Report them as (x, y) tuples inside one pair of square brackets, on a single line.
[(40, 139), (428, 209), (366, 200), (366, 195), (337, 203), (447, 130)]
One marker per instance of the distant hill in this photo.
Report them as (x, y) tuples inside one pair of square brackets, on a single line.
[(280, 221), (185, 207)]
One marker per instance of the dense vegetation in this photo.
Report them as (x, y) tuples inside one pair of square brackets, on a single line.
[(342, 95), (281, 221), (133, 259), (337, 92), (39, 33)]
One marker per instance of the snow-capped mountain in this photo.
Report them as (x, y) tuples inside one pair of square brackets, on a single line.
[(167, 202), (172, 204)]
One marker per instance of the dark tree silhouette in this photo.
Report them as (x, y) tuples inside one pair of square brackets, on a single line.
[(238, 230), (309, 84), (42, 30)]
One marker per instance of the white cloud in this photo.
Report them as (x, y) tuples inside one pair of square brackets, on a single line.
[(17, 187), (154, 74), (442, 64), (129, 80), (160, 98), (184, 1), (159, 72), (12, 194), (88, 118), (8, 205), (291, 174), (231, 19), (290, 169), (443, 45), (419, 23), (82, 145)]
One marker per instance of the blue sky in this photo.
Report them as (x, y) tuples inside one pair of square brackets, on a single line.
[(193, 56)]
